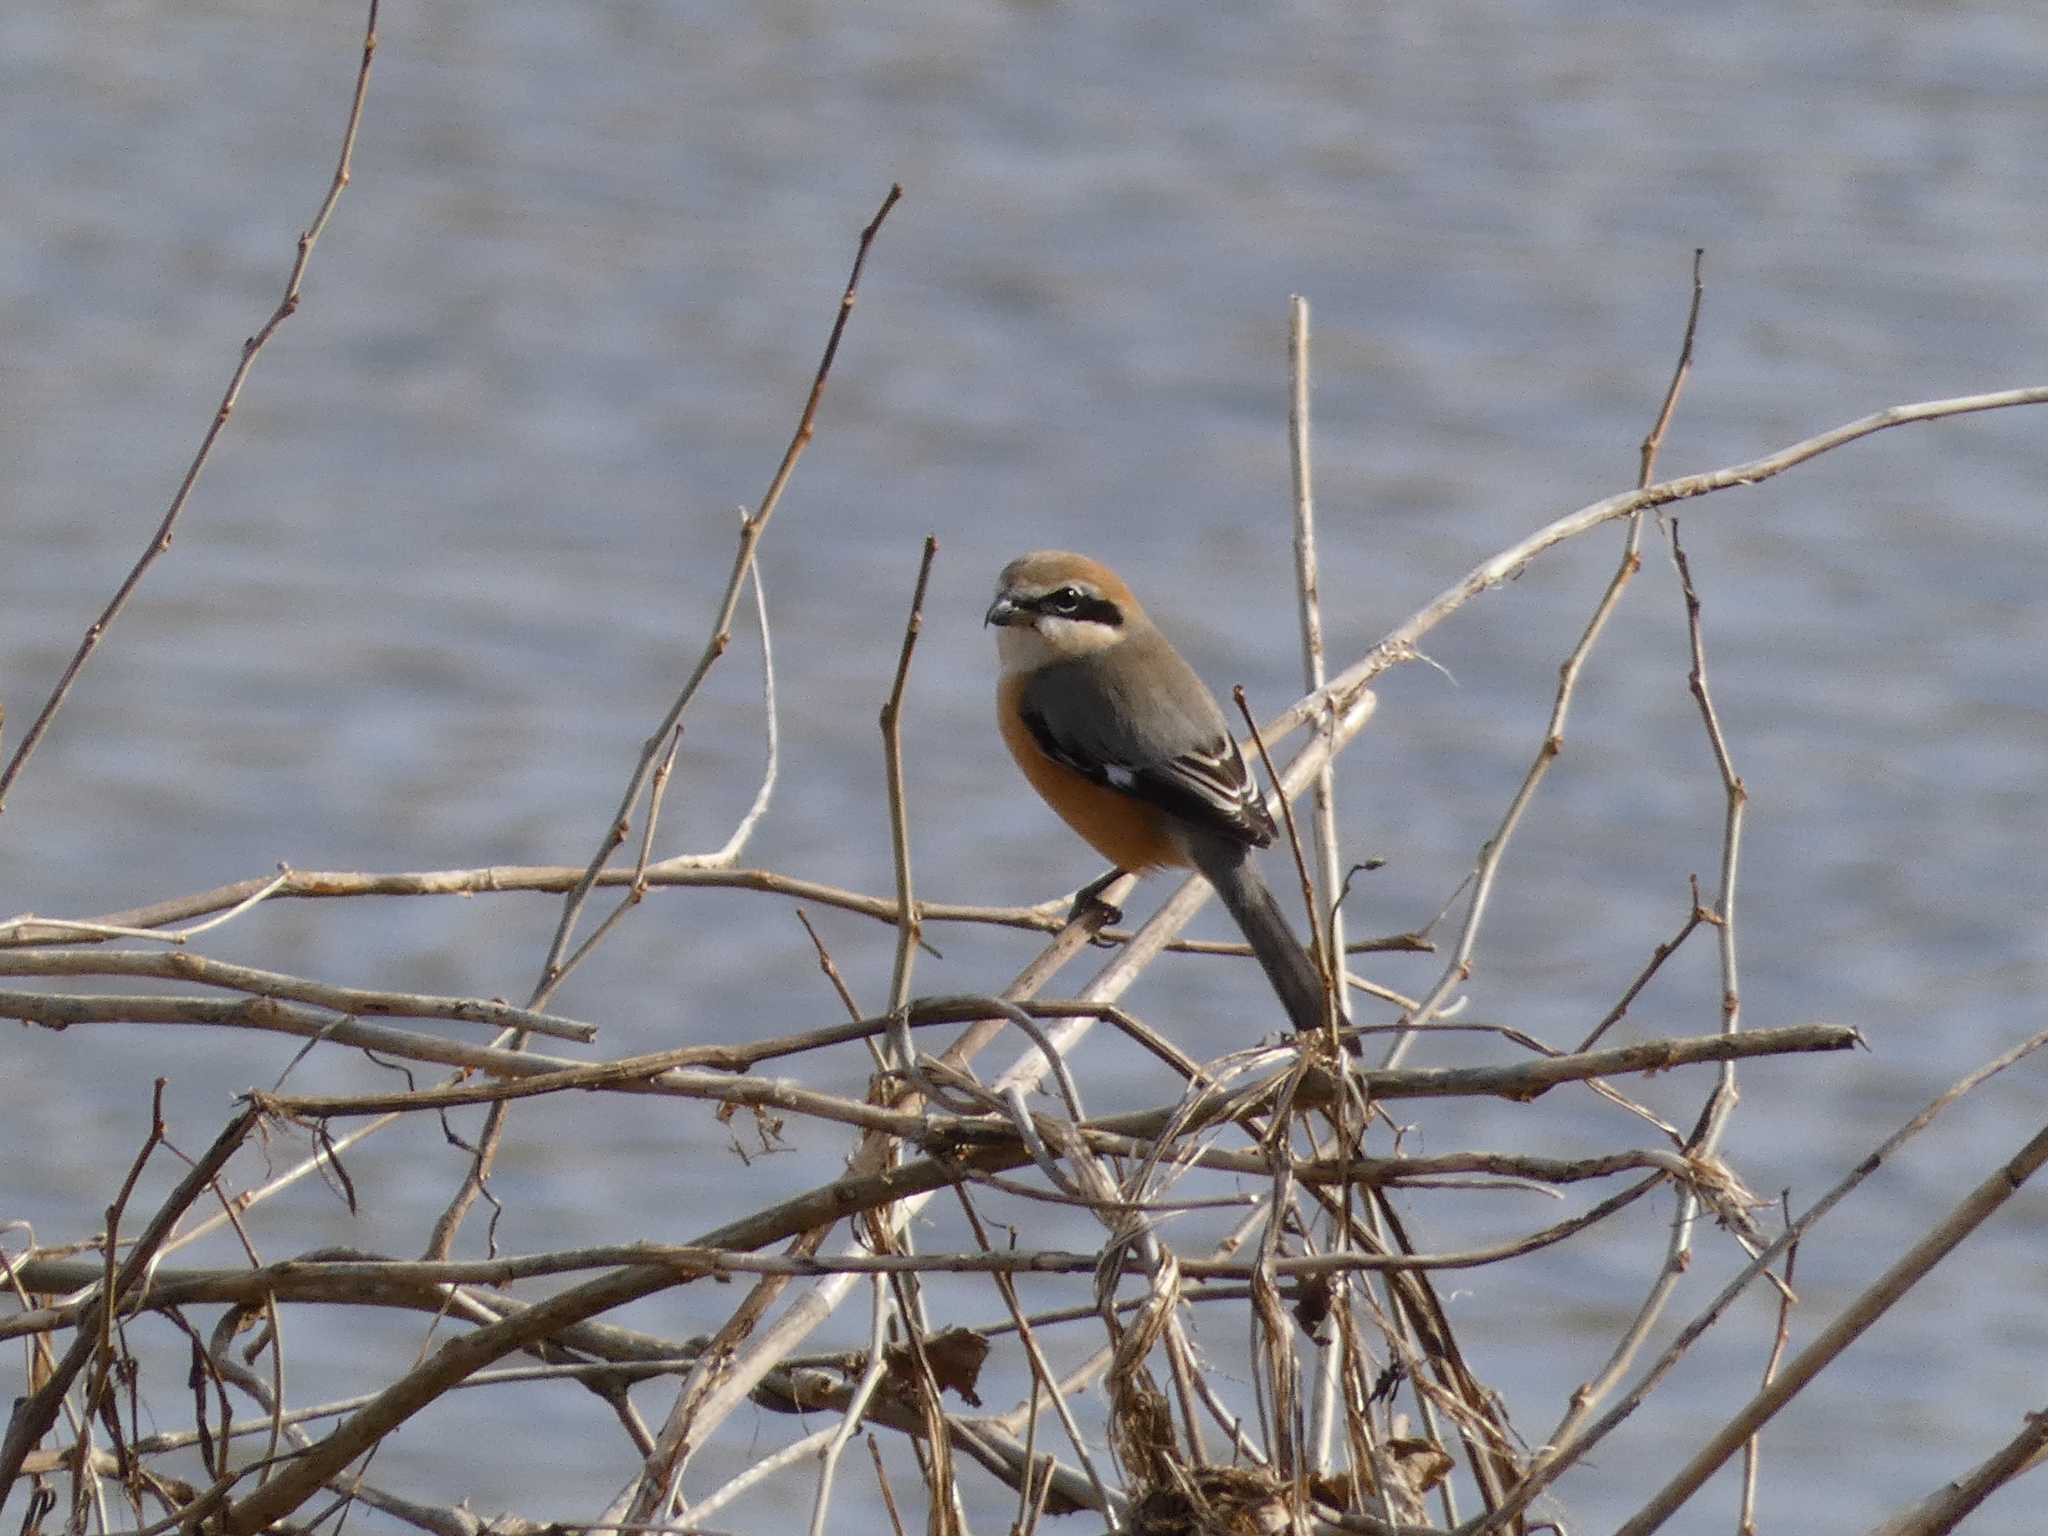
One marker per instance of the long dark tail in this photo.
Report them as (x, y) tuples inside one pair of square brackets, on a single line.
[(1287, 965)]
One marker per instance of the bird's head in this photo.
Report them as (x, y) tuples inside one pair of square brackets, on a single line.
[(1054, 606)]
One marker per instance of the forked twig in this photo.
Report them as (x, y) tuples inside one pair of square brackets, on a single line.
[(1678, 1247), (33, 1416), (752, 526), (1459, 968)]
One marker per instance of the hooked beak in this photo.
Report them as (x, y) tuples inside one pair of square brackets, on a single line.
[(1001, 611)]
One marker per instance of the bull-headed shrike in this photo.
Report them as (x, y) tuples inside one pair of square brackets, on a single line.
[(1121, 738)]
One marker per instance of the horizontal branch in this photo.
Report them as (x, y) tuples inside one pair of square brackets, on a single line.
[(675, 1073), (422, 1284), (181, 965), (1528, 1079), (63, 1010), (377, 1280), (365, 1280), (555, 879)]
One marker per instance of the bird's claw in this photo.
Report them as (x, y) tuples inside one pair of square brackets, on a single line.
[(1091, 910)]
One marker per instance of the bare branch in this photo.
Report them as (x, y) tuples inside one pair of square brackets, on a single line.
[(160, 541)]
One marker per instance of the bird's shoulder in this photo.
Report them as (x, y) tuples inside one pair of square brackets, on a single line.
[(1154, 733)]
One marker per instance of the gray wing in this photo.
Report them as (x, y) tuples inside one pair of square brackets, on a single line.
[(1175, 752)]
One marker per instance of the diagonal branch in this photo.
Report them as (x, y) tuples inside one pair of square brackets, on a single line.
[(160, 541)]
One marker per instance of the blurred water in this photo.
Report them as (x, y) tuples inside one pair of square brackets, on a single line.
[(460, 542)]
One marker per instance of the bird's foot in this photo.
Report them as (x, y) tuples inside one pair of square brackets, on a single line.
[(1091, 910)]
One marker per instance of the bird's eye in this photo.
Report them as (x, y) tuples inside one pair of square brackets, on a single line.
[(1065, 600)]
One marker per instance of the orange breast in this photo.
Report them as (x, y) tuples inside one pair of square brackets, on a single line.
[(1129, 833)]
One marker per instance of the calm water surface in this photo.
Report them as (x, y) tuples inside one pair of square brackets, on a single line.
[(460, 542)]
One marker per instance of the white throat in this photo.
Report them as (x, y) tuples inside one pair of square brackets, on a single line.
[(1027, 647), (1021, 648)]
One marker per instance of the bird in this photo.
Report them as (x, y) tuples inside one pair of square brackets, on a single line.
[(1123, 741)]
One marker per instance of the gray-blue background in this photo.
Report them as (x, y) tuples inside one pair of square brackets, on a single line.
[(460, 542)]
